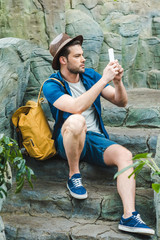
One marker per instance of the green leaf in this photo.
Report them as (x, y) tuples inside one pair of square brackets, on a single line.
[(30, 170), (2, 191), (21, 163), (17, 159), (2, 180), (6, 140), (30, 174), (10, 153), (1, 136), (1, 195), (156, 173), (20, 185), (156, 187), (137, 169), (2, 166), (18, 175), (23, 168), (125, 169), (1, 149), (19, 181), (142, 155)]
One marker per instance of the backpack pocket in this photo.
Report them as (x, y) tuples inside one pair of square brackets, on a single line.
[(32, 149)]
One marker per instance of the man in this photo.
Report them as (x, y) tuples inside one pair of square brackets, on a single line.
[(80, 132)]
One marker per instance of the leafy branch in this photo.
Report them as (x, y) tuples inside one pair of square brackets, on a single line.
[(10, 154), (142, 160)]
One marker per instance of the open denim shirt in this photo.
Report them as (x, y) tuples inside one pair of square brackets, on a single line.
[(53, 90)]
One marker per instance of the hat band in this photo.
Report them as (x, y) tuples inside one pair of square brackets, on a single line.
[(63, 44)]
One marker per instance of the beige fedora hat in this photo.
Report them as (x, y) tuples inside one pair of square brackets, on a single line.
[(58, 44)]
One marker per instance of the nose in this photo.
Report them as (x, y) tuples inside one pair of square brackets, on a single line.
[(83, 59)]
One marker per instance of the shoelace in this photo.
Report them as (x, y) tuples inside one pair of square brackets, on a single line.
[(138, 218), (77, 182)]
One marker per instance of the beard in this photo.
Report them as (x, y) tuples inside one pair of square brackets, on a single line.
[(75, 70)]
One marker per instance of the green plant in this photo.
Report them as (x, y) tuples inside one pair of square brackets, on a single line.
[(142, 160), (11, 154)]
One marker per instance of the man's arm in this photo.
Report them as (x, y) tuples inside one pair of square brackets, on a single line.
[(117, 94), (80, 104)]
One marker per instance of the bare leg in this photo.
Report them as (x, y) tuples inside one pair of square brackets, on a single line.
[(121, 157), (74, 133)]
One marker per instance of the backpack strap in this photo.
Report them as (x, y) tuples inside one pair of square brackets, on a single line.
[(60, 112), (42, 99)]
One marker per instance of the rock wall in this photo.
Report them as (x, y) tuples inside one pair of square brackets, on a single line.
[(24, 66), (35, 20), (131, 27), (157, 195)]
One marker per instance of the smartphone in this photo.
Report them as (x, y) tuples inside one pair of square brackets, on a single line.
[(111, 54)]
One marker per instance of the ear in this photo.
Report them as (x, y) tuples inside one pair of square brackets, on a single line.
[(63, 60)]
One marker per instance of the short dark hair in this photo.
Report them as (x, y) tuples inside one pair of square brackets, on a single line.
[(65, 50)]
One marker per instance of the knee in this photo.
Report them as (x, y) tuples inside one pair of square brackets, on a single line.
[(126, 157), (76, 124), (122, 157)]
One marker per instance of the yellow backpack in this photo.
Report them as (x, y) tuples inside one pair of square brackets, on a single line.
[(33, 125)]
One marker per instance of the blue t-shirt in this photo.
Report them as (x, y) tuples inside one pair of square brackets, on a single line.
[(53, 90)]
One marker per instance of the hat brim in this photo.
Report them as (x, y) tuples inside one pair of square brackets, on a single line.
[(55, 63)]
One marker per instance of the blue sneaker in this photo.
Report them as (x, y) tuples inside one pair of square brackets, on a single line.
[(76, 188), (135, 224)]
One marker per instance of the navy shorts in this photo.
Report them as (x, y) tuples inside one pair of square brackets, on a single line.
[(94, 147)]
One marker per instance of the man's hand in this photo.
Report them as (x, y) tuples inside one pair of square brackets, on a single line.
[(110, 71), (117, 94), (113, 71), (118, 77)]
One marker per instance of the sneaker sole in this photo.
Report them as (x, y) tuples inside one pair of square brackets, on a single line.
[(77, 196), (143, 231)]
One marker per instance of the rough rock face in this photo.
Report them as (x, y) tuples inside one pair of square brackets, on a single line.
[(35, 20), (92, 44), (156, 195), (131, 27), (2, 230), (21, 63), (25, 66)]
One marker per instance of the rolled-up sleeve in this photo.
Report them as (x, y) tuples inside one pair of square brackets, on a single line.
[(52, 91)]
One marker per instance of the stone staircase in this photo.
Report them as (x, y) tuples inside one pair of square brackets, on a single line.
[(49, 213), (136, 126)]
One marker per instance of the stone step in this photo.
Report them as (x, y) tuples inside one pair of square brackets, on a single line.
[(28, 227), (137, 140), (137, 125), (56, 169), (53, 199), (142, 110)]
